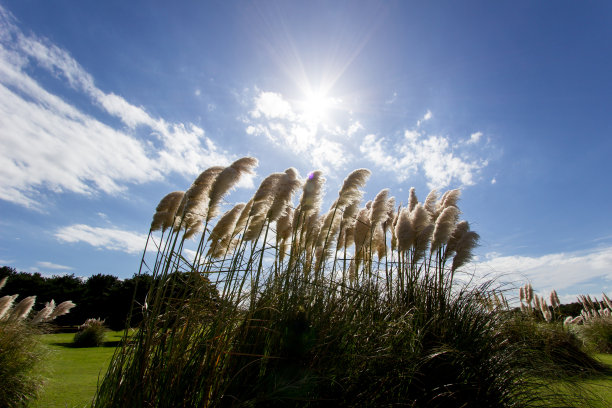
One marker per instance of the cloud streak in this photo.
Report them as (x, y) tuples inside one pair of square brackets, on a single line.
[(568, 271), (103, 238), (48, 143)]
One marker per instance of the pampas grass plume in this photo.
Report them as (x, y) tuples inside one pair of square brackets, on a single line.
[(380, 211), (226, 224), (62, 309), (403, 230), (350, 193), (226, 180), (44, 313), (362, 229), (430, 203), (468, 242), (311, 193), (3, 282), (5, 304), (445, 224), (412, 200), (23, 308), (288, 184)]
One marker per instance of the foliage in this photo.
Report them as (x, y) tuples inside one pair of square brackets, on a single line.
[(99, 295), (354, 307), (596, 333), (90, 334), (20, 357)]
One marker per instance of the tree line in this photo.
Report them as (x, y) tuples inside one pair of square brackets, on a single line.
[(98, 296)]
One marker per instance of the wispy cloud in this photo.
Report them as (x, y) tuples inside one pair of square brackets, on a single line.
[(315, 136), (441, 162), (49, 143), (51, 265), (428, 115), (568, 270), (104, 238)]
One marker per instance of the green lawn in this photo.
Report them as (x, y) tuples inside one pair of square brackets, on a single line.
[(72, 373)]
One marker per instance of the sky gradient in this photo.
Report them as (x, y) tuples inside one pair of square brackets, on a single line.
[(107, 106)]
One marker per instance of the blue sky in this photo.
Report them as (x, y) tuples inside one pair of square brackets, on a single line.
[(107, 106)]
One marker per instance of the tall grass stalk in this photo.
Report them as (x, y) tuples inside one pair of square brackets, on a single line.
[(349, 307)]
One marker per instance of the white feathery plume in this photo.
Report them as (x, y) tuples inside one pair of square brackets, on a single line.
[(528, 293), (165, 211), (451, 198), (380, 211), (3, 282), (464, 254), (568, 321), (264, 196), (554, 299), (226, 180), (287, 186), (226, 224), (6, 302), (412, 200), (350, 193), (445, 225), (607, 301), (311, 193), (23, 308), (283, 225), (244, 216), (362, 229), (577, 319), (61, 309), (537, 302), (403, 230), (521, 294), (430, 203), (378, 241), (423, 229), (44, 313), (451, 246)]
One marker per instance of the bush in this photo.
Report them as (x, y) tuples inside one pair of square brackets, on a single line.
[(20, 356), (90, 334), (596, 333), (355, 307)]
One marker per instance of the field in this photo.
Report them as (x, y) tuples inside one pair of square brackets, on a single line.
[(72, 373)]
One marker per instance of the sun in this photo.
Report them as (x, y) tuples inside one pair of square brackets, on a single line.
[(317, 106)]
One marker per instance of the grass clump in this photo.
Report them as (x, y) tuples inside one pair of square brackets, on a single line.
[(90, 334), (20, 351), (356, 306)]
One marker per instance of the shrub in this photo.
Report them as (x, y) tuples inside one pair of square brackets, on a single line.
[(20, 356), (20, 351), (354, 307), (90, 334), (596, 333)]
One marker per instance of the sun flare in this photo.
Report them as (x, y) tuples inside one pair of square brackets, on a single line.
[(317, 106)]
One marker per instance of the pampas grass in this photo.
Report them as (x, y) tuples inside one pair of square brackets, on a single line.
[(356, 306)]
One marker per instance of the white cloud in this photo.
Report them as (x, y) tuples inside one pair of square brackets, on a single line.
[(428, 115), (104, 238), (50, 265), (475, 138), (419, 151), (272, 106), (303, 129), (49, 143), (560, 271), (493, 180)]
